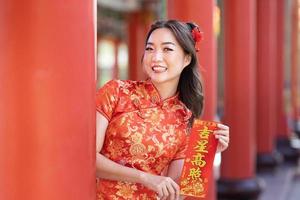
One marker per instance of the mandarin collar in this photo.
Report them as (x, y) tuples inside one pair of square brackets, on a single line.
[(155, 96)]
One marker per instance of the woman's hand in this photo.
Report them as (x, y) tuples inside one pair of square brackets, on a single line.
[(165, 187), (222, 134)]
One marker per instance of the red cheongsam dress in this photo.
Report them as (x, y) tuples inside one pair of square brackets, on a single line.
[(144, 132)]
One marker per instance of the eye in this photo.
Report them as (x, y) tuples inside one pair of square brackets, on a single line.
[(148, 48), (168, 49)]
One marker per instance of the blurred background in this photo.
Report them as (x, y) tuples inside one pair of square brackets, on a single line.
[(250, 65), (54, 54)]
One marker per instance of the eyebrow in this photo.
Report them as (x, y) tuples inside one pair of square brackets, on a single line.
[(151, 43)]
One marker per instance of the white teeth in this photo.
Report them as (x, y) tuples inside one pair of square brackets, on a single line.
[(159, 69)]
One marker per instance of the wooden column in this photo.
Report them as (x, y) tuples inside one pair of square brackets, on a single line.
[(47, 90), (295, 77), (238, 179), (282, 130), (138, 25), (201, 12), (267, 158)]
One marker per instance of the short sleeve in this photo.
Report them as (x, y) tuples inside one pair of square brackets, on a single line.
[(107, 99), (181, 152)]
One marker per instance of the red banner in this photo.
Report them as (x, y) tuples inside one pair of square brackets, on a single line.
[(198, 163)]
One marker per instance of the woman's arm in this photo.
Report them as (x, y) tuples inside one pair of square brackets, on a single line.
[(108, 169), (105, 168), (175, 170)]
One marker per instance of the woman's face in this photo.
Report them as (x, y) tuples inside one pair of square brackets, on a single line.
[(164, 59)]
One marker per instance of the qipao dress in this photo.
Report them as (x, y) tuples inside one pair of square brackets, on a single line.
[(144, 132)]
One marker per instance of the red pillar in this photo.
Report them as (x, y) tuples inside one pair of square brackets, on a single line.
[(295, 78), (281, 115), (297, 87), (202, 13), (283, 133), (138, 25), (267, 158), (47, 89), (238, 180)]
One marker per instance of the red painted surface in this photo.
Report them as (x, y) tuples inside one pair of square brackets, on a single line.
[(238, 161), (47, 89), (266, 76), (295, 77), (138, 27), (201, 12), (281, 124)]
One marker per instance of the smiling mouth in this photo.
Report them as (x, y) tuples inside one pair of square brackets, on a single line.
[(159, 69)]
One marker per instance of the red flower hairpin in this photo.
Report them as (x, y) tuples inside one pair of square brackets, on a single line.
[(197, 36)]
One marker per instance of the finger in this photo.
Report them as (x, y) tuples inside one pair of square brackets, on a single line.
[(221, 132), (176, 188), (220, 148), (223, 144), (224, 138), (222, 126), (160, 193), (165, 192), (171, 191)]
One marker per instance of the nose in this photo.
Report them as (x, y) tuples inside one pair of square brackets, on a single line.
[(157, 56)]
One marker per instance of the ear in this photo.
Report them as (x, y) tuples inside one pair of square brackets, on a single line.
[(187, 59)]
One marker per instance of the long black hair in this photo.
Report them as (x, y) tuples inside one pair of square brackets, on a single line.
[(189, 86)]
